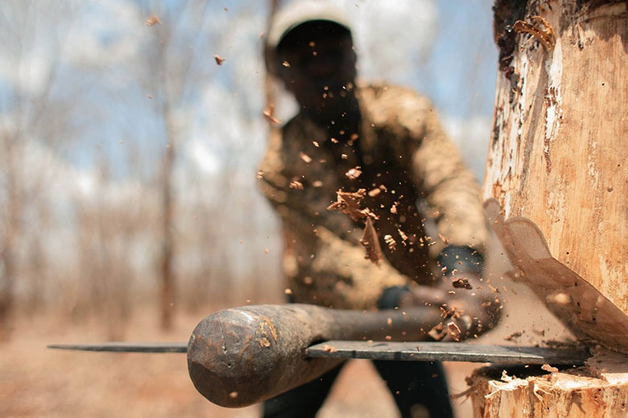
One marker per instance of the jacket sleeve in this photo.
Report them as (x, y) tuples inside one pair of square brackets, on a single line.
[(448, 186), (322, 267)]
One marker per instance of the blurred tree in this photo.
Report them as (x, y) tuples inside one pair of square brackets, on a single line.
[(31, 113), (170, 76)]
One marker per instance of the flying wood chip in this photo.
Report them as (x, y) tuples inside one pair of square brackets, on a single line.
[(438, 332), (153, 20), (297, 185), (269, 115), (370, 241), (349, 204), (219, 60), (375, 192), (392, 244), (461, 283), (353, 173), (306, 158)]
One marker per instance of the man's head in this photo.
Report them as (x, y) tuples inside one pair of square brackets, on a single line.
[(311, 51)]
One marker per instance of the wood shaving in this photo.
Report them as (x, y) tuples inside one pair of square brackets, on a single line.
[(370, 241), (393, 208), (288, 291), (344, 156), (233, 394), (259, 175), (442, 238), (305, 157), (317, 183), (375, 192), (388, 338), (539, 28), (513, 336), (454, 331), (286, 64), (349, 204), (390, 241), (153, 20), (549, 368), (269, 114), (297, 185), (461, 284), (353, 173), (329, 349), (219, 60), (437, 333), (404, 237)]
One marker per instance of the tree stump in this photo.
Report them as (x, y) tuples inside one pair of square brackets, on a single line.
[(555, 188), (599, 389)]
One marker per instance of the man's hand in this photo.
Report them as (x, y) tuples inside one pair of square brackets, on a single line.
[(468, 307)]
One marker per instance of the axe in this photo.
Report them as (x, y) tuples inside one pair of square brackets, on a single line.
[(241, 356)]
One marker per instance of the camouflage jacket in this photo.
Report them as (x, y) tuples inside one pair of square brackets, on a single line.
[(404, 160)]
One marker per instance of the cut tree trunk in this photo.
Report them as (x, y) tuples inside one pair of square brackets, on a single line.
[(557, 163), (555, 188)]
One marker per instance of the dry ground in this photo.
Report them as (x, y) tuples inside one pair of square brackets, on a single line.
[(36, 382)]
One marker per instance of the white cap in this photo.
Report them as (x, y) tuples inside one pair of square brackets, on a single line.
[(300, 12)]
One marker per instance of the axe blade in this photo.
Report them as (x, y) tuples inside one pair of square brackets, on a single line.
[(448, 351)]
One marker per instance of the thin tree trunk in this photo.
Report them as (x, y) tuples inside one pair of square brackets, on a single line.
[(8, 253), (167, 297)]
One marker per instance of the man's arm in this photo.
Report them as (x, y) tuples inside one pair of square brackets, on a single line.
[(450, 189), (453, 196)]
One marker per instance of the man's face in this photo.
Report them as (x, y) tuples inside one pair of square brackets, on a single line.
[(319, 69)]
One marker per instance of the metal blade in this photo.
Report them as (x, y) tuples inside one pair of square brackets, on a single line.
[(126, 347), (439, 351)]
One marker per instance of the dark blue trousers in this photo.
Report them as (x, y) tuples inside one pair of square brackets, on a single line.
[(411, 384)]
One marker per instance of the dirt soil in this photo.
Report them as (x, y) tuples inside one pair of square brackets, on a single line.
[(38, 382)]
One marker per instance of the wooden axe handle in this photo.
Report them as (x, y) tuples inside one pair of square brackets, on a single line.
[(238, 357)]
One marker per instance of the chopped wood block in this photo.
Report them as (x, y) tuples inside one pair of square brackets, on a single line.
[(597, 390)]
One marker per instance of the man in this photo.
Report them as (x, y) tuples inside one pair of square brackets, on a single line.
[(382, 147)]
